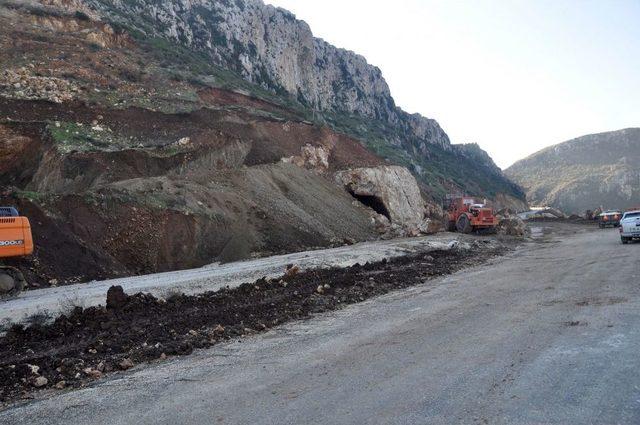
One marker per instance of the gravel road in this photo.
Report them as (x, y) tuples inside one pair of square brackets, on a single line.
[(549, 334), (54, 301)]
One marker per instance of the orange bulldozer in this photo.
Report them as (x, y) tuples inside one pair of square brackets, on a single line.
[(15, 241), (465, 215)]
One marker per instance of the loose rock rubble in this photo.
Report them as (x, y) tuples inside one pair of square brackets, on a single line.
[(512, 226), (22, 84), (311, 157)]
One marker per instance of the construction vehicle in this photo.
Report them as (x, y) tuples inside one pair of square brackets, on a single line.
[(609, 218), (15, 241), (465, 215)]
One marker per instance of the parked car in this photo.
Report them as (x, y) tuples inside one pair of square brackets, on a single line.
[(609, 218), (630, 226)]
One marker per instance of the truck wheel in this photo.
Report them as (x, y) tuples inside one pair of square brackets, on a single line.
[(624, 240), (463, 225)]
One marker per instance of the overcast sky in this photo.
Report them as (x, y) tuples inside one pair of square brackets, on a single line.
[(512, 75)]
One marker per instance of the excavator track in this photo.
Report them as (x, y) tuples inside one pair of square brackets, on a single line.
[(12, 282)]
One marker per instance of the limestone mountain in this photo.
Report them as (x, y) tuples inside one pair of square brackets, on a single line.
[(598, 170), (271, 49)]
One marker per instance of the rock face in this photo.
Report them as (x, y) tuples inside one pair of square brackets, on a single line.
[(270, 47), (391, 191), (274, 53), (599, 170)]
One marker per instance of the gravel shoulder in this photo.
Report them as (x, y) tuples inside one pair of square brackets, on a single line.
[(51, 302), (86, 344)]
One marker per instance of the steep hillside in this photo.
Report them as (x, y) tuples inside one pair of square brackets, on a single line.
[(584, 173), (134, 151), (278, 59)]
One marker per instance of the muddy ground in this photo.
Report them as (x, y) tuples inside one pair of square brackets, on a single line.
[(83, 345)]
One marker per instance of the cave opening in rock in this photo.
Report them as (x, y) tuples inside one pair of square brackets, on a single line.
[(374, 203)]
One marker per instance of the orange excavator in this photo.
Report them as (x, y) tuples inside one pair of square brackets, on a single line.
[(15, 241)]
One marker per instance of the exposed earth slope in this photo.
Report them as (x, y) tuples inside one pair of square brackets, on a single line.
[(135, 147), (598, 170), (265, 52)]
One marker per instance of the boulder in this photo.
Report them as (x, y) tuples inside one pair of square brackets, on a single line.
[(116, 298), (311, 157), (390, 191), (512, 226)]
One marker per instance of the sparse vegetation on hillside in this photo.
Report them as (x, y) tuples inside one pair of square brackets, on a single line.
[(599, 170), (438, 169)]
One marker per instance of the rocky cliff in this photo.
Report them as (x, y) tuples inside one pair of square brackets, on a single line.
[(598, 170), (274, 51), (268, 46)]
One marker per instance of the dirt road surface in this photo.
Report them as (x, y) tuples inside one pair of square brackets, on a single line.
[(55, 301), (548, 334)]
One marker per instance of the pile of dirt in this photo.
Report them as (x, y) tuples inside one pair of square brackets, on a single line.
[(61, 257), (85, 344)]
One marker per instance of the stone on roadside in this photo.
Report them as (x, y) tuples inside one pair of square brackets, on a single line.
[(291, 271), (125, 364), (513, 226), (40, 381), (92, 373), (116, 298)]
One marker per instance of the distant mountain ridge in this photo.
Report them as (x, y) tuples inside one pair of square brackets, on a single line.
[(584, 173)]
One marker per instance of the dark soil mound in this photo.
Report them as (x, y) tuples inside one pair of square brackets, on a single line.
[(84, 344)]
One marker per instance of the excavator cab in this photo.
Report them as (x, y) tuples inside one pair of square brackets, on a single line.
[(15, 241)]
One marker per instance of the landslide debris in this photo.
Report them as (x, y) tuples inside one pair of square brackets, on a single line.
[(512, 226), (22, 84), (392, 192), (134, 153), (85, 344)]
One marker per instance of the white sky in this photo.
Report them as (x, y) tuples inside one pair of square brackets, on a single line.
[(512, 75)]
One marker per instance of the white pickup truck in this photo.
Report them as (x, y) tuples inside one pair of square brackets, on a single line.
[(630, 226)]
